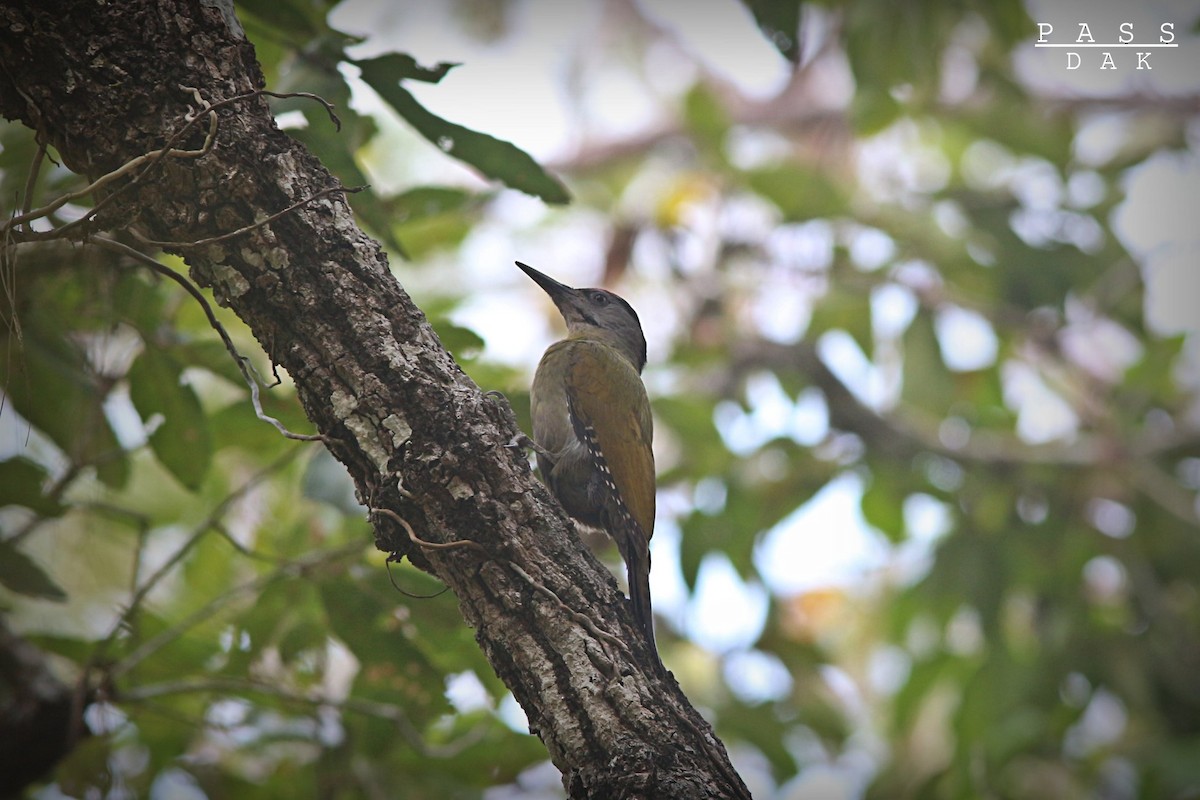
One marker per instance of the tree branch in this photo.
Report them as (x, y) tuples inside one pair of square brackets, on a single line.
[(905, 434)]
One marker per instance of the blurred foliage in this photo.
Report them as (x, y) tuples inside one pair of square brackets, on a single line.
[(1035, 628)]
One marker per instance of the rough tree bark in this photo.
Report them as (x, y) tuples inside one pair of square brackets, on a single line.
[(107, 82)]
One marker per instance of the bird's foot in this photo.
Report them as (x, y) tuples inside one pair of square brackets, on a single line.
[(519, 440), (525, 443)]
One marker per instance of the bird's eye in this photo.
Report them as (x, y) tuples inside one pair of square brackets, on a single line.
[(599, 298)]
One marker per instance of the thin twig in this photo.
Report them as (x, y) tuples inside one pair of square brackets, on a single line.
[(1164, 491), (251, 227), (219, 527), (35, 169), (149, 160), (241, 361), (237, 98), (53, 494), (291, 569), (582, 619), (387, 565), (388, 712), (110, 177), (392, 515), (205, 525)]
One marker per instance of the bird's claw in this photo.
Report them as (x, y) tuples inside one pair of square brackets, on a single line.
[(520, 440), (525, 443)]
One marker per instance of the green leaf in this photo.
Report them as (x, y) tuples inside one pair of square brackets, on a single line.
[(1008, 19), (928, 385), (1048, 136), (872, 110), (181, 442), (494, 756), (212, 355), (280, 607), (706, 119), (1177, 764), (21, 483), (17, 149), (801, 193), (21, 574), (779, 21), (924, 677), (429, 234), (396, 67), (397, 665), (848, 311), (427, 201), (184, 650), (690, 417), (431, 217), (494, 157), (462, 342), (297, 18), (883, 503), (997, 687), (704, 535), (43, 366), (304, 636), (137, 301), (761, 726), (77, 650), (1154, 373), (887, 49), (969, 568)]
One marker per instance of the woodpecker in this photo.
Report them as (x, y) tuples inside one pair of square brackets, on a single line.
[(592, 425)]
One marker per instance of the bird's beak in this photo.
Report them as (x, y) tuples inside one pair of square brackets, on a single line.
[(560, 293)]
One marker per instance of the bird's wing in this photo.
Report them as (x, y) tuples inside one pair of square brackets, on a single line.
[(611, 413)]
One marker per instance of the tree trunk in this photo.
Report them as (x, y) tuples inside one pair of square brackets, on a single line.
[(107, 82)]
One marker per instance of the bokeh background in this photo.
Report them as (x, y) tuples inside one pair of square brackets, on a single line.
[(922, 308)]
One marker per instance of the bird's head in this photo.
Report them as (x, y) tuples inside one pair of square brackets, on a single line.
[(596, 313)]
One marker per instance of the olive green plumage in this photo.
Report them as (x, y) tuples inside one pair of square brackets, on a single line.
[(592, 424)]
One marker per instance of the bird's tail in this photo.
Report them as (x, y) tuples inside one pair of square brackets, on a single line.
[(636, 552)]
